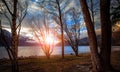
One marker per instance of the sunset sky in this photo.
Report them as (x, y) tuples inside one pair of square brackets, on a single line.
[(35, 9)]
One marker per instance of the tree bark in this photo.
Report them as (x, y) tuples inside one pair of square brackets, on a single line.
[(14, 36), (76, 52), (92, 37), (106, 33), (61, 24), (75, 49)]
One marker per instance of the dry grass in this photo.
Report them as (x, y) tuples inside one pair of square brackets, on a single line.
[(56, 64)]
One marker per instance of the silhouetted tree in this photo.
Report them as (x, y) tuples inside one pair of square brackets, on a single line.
[(73, 30), (106, 30), (57, 10), (61, 24), (92, 37), (13, 13), (93, 6), (100, 61), (43, 33)]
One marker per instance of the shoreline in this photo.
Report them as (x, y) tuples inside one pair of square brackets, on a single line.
[(36, 52)]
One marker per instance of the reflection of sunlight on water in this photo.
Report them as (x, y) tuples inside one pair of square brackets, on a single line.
[(30, 51), (33, 51)]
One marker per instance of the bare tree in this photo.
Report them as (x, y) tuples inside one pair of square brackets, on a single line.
[(61, 24), (93, 6), (45, 35), (92, 37), (56, 9), (14, 14), (106, 32), (101, 61), (73, 31)]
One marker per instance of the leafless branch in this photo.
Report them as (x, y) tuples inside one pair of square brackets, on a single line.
[(7, 7)]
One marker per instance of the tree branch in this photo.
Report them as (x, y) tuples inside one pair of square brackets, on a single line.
[(7, 7)]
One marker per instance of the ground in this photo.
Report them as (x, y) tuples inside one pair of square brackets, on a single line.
[(71, 63)]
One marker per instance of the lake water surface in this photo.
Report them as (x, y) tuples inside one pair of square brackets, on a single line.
[(26, 51)]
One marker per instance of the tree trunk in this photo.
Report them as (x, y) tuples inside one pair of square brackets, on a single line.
[(14, 42), (76, 53), (92, 37), (106, 33), (76, 50), (14, 36), (7, 47), (61, 24), (48, 56)]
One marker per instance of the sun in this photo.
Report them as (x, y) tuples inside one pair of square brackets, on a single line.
[(49, 40)]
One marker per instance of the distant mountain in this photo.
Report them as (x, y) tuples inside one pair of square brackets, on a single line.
[(22, 39), (85, 41), (25, 41), (7, 36), (115, 39)]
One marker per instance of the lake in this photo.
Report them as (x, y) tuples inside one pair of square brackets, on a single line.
[(26, 51)]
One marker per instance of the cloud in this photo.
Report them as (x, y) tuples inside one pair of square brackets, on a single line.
[(35, 10)]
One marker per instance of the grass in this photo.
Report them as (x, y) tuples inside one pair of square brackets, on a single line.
[(56, 64), (115, 59)]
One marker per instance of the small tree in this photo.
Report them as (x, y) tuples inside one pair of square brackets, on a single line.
[(61, 24), (56, 8), (73, 31), (45, 35)]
